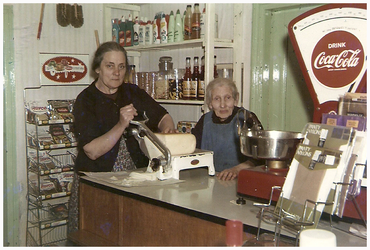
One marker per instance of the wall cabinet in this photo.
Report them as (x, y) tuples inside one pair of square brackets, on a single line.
[(50, 160), (140, 55)]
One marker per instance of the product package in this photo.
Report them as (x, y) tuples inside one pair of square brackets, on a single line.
[(356, 122), (185, 126)]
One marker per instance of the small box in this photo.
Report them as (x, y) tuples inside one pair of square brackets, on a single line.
[(353, 104), (185, 126)]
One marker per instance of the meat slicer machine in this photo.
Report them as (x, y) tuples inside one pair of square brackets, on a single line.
[(162, 160)]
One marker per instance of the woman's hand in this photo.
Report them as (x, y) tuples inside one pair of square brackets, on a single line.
[(102, 144), (166, 125), (127, 113), (228, 174), (231, 173)]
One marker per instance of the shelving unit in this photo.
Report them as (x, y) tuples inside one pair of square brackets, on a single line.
[(49, 176), (208, 44)]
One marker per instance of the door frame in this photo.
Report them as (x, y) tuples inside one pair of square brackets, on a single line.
[(11, 193)]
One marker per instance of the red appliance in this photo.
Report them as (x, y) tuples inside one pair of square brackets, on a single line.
[(257, 182)]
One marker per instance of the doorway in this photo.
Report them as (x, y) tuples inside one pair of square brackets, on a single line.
[(279, 94)]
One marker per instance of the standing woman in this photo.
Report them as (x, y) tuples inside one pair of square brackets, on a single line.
[(102, 113), (217, 130)]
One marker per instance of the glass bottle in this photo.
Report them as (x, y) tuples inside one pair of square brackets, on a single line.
[(215, 74), (187, 23), (179, 28), (195, 82), (187, 82), (132, 75), (171, 28), (195, 22), (202, 23), (201, 81)]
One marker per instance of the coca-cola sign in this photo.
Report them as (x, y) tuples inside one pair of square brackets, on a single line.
[(330, 45), (63, 69), (337, 59)]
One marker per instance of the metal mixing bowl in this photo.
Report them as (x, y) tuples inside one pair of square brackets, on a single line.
[(269, 144)]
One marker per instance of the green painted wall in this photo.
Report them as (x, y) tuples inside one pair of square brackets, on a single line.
[(10, 195), (279, 95)]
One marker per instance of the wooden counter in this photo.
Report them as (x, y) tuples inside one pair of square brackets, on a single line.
[(190, 213)]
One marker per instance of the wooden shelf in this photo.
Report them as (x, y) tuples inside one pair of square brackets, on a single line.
[(184, 102), (218, 43)]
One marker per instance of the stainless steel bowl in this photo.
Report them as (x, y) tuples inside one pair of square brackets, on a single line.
[(269, 144)]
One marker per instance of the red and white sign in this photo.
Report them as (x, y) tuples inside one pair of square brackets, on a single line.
[(63, 69), (330, 44)]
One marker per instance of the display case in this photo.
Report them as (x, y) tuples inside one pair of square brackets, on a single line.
[(141, 55), (50, 148)]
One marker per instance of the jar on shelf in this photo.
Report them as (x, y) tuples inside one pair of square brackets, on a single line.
[(152, 78), (146, 83), (175, 84), (165, 70), (141, 79)]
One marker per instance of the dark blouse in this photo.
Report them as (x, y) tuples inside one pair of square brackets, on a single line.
[(95, 114)]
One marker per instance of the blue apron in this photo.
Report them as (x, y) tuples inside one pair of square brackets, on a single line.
[(223, 140)]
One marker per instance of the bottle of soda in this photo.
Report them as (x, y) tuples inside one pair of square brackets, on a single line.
[(201, 81), (187, 82), (215, 74), (188, 23), (195, 22), (195, 82)]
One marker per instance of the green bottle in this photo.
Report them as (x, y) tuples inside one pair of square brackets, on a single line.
[(171, 28), (179, 28)]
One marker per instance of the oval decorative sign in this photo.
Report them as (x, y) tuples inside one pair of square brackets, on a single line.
[(64, 69)]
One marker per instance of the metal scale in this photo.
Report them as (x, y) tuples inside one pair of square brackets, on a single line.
[(166, 165), (277, 148)]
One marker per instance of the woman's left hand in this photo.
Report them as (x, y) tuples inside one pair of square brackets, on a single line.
[(231, 173), (228, 174), (166, 125)]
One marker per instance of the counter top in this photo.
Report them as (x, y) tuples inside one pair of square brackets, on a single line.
[(202, 194)]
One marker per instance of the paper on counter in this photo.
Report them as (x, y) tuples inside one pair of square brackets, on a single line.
[(131, 179)]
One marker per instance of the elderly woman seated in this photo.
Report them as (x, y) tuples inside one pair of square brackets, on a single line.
[(217, 130)]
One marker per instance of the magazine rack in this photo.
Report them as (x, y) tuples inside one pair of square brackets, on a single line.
[(296, 223), (281, 218), (353, 191)]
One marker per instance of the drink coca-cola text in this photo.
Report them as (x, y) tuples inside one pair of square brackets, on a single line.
[(346, 59)]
